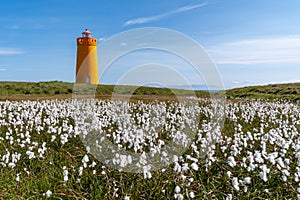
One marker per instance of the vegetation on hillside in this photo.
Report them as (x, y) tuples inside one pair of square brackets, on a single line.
[(54, 89), (290, 91)]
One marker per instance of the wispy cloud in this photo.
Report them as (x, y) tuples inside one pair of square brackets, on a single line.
[(3, 69), (10, 51), (142, 20), (101, 39), (280, 50), (244, 82)]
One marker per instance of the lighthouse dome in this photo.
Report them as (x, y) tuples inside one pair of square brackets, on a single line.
[(86, 33)]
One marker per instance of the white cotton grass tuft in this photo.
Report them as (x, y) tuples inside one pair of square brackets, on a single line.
[(18, 177), (231, 161), (47, 194), (247, 181), (127, 197), (192, 195), (65, 174), (194, 166), (80, 170), (235, 183), (178, 196), (85, 160), (228, 173), (177, 189)]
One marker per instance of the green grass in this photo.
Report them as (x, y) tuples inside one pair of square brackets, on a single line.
[(39, 88), (63, 88), (290, 91)]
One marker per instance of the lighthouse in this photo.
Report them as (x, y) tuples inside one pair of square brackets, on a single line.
[(87, 62)]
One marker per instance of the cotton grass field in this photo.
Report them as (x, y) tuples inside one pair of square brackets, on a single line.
[(54, 149)]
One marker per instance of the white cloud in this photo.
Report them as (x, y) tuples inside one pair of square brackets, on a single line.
[(280, 50), (142, 20), (243, 82), (236, 82), (3, 69), (10, 51), (101, 39)]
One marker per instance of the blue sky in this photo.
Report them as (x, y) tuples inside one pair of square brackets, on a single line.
[(251, 42)]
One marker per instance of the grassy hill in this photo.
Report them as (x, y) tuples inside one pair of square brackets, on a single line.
[(55, 89), (289, 91)]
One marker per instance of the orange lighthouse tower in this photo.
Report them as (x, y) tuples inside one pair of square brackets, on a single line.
[(87, 62)]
